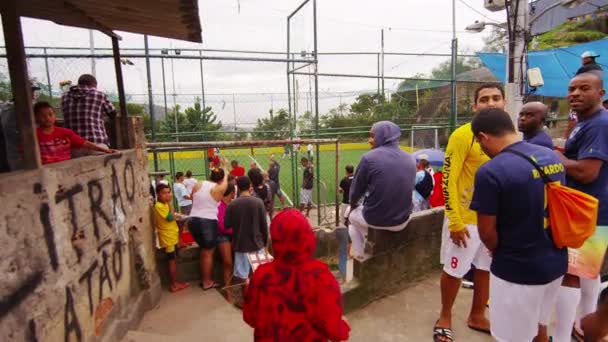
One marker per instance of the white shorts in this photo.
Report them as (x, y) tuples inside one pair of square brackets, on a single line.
[(517, 310), (305, 196), (457, 260)]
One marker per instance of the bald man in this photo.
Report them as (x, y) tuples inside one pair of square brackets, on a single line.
[(531, 122), (586, 162)]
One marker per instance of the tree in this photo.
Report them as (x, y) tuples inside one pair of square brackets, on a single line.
[(444, 69), (306, 122), (496, 41), (202, 120), (276, 126), (6, 94), (194, 124)]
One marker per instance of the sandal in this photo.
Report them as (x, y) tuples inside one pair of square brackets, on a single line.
[(179, 287), (442, 334), (214, 285), (481, 330)]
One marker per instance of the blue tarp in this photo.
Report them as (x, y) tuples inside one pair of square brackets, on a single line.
[(558, 66)]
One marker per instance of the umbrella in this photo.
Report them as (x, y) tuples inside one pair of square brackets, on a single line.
[(434, 157)]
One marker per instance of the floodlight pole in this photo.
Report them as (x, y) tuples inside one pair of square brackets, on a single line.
[(454, 107), (150, 97), (316, 76)]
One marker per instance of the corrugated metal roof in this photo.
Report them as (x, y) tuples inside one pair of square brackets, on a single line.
[(559, 14), (176, 19)]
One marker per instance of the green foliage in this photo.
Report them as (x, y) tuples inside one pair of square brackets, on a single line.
[(5, 88), (276, 126), (571, 33), (193, 119), (496, 41)]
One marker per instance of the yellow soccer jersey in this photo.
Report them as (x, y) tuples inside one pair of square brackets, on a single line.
[(463, 157), (168, 231)]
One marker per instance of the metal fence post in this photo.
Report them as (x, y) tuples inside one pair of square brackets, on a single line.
[(48, 74), (337, 182)]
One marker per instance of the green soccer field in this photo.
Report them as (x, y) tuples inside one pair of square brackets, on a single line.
[(194, 161)]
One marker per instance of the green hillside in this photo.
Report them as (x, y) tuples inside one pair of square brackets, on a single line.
[(573, 32)]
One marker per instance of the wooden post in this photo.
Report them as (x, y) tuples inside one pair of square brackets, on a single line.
[(22, 92), (124, 119)]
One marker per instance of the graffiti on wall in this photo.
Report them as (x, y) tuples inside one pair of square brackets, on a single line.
[(108, 234)]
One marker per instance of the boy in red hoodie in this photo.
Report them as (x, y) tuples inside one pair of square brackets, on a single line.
[(294, 297)]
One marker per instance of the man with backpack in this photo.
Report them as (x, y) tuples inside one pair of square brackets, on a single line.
[(424, 186), (511, 204)]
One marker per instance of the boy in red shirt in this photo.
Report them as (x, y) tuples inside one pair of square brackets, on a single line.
[(56, 142), (237, 171)]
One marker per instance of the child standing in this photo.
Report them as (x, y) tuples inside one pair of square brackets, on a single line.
[(168, 232), (307, 182), (345, 189), (294, 297), (183, 197), (246, 216), (224, 238), (190, 182), (56, 142)]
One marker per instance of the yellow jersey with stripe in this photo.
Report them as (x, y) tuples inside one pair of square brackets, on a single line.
[(166, 227), (463, 157)]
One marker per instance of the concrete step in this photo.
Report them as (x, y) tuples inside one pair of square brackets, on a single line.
[(140, 336)]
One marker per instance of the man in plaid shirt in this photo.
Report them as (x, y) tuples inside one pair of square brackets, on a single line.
[(84, 109)]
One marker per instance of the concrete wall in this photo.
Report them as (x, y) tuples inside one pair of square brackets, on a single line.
[(76, 249), (395, 260)]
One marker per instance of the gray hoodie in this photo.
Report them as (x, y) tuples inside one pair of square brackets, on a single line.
[(387, 174)]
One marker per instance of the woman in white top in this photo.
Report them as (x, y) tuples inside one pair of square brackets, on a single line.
[(206, 196)]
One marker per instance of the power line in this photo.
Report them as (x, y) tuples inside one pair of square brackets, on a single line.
[(477, 11)]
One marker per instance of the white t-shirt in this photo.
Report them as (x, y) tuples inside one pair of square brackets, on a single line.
[(203, 205), (180, 191), (309, 148), (190, 183)]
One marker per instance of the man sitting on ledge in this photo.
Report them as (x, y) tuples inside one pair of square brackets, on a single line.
[(385, 180)]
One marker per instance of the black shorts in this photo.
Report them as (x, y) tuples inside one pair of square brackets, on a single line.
[(171, 255), (204, 232)]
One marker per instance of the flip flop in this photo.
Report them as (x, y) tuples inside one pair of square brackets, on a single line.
[(442, 334), (179, 287), (213, 286), (481, 330)]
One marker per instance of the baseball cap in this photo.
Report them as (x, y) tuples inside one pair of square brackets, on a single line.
[(590, 53)]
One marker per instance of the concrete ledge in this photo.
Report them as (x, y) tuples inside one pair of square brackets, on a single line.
[(395, 260)]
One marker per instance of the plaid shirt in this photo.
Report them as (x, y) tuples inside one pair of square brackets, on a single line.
[(83, 112)]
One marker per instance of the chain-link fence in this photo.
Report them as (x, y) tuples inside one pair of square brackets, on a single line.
[(327, 161), (237, 99)]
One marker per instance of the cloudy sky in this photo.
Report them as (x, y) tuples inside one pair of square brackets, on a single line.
[(413, 26)]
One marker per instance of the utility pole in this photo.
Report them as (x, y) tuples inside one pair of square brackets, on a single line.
[(234, 110), (150, 97), (92, 48), (200, 53), (174, 102), (382, 60), (454, 107), (516, 58)]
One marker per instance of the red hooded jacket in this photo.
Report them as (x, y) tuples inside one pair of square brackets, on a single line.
[(294, 298)]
